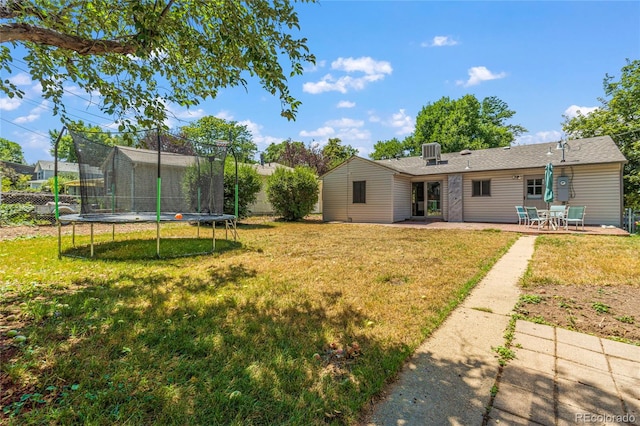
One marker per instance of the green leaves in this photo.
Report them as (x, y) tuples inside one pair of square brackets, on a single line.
[(293, 193), (464, 123), (119, 48), (618, 117)]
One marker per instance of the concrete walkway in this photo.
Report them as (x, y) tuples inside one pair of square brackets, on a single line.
[(558, 377)]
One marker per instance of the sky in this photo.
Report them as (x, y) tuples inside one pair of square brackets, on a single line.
[(378, 63)]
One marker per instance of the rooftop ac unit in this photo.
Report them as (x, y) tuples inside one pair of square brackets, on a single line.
[(431, 151)]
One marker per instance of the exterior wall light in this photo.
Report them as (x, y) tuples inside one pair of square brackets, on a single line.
[(564, 146)]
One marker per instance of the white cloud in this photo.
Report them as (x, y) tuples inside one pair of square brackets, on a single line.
[(573, 110), (34, 146), (403, 122), (224, 115), (539, 137), (373, 71), (345, 122), (364, 64), (346, 104), (439, 41), (374, 118), (321, 132), (179, 116), (316, 67), (9, 104), (34, 114), (262, 141), (21, 79), (348, 135), (479, 74)]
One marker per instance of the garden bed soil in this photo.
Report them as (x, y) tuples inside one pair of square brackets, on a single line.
[(611, 312)]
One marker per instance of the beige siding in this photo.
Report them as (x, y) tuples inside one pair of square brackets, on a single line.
[(334, 195), (597, 187), (337, 196), (401, 199)]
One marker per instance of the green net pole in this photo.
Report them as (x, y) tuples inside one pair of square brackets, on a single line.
[(199, 190), (158, 199)]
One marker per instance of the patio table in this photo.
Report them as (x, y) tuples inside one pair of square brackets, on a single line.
[(551, 218)]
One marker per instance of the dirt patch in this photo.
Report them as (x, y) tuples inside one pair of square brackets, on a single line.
[(611, 312)]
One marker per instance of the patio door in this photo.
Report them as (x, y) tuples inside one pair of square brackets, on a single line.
[(417, 199), (434, 198)]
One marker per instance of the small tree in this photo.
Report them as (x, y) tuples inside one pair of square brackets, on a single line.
[(249, 184), (293, 193)]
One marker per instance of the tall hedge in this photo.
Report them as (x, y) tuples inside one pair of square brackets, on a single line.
[(293, 193)]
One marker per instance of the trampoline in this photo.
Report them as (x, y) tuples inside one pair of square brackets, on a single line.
[(162, 178)]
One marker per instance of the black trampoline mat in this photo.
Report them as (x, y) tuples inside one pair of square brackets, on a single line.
[(144, 217)]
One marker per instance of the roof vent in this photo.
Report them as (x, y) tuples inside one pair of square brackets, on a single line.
[(431, 151), (465, 152)]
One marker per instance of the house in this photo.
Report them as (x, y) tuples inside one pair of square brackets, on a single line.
[(45, 169), (478, 186)]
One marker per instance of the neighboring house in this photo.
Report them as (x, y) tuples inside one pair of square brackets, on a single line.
[(478, 186), (262, 206), (45, 169)]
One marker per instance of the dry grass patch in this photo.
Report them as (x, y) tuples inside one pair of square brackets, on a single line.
[(585, 260), (302, 324)]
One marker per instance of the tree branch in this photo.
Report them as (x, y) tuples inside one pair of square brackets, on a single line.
[(83, 46)]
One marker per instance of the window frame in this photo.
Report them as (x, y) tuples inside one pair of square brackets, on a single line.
[(359, 192), (537, 184), (483, 188)]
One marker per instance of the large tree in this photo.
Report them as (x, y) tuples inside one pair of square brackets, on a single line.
[(212, 128), (295, 153), (392, 148), (139, 55), (619, 117), (335, 153), (11, 152), (66, 148), (464, 123)]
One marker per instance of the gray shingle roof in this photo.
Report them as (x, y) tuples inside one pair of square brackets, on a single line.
[(596, 150), (146, 156), (62, 166)]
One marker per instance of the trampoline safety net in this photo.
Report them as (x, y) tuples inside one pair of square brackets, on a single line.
[(168, 174)]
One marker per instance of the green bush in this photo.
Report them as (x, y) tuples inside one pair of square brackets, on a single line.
[(249, 184), (293, 193), (16, 214)]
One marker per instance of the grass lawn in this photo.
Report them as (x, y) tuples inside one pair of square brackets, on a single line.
[(296, 324)]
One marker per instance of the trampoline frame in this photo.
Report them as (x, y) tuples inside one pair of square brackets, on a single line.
[(230, 221)]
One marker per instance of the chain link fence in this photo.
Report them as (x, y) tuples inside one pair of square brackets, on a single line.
[(631, 220), (33, 208)]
